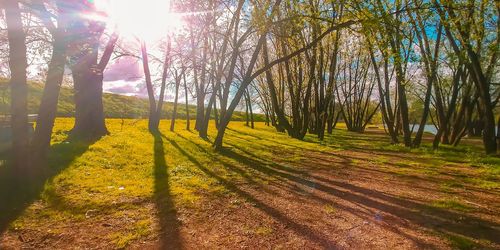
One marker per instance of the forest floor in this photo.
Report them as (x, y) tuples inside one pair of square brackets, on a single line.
[(132, 189)]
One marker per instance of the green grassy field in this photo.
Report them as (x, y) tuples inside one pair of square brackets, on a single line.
[(128, 187), (115, 106)]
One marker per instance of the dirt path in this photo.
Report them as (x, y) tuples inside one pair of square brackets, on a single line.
[(340, 206)]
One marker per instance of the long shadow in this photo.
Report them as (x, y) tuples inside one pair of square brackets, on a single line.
[(169, 225), (227, 165), (304, 179), (429, 217), (268, 161), (16, 195), (300, 229), (424, 215), (260, 165), (436, 219), (345, 160), (250, 177)]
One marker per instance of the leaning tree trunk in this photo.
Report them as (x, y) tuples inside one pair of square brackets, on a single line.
[(152, 124), (481, 80), (48, 105), (156, 117)]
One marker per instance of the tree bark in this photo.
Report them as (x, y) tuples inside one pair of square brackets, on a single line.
[(478, 75), (174, 113), (84, 35), (19, 89), (149, 86), (48, 105), (188, 126)]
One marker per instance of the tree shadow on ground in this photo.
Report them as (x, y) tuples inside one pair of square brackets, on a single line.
[(349, 197), (169, 225), (437, 219), (298, 228), (17, 195)]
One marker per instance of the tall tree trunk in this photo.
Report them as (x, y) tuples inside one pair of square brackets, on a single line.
[(489, 141), (430, 63), (48, 105), (188, 126), (250, 120), (331, 116), (478, 75), (252, 125), (247, 115), (149, 87), (19, 89), (442, 135), (385, 104), (200, 109), (216, 114), (156, 117), (224, 120), (174, 113), (281, 123)]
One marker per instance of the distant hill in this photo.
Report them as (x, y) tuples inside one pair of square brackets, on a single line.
[(115, 106)]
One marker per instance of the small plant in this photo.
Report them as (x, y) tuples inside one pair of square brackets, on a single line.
[(263, 230), (329, 209)]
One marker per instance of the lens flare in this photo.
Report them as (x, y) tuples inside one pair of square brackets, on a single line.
[(147, 20)]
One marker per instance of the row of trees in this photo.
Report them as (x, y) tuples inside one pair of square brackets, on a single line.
[(305, 64), (312, 62), (75, 41)]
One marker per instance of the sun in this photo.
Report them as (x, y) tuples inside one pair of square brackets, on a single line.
[(147, 20)]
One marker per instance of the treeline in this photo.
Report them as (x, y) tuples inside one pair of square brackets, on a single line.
[(305, 64)]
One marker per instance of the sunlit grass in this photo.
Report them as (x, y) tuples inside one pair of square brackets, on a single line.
[(115, 105), (452, 204), (119, 175)]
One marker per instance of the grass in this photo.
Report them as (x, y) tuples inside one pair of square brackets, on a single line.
[(462, 243), (118, 178), (115, 106), (452, 204), (140, 229)]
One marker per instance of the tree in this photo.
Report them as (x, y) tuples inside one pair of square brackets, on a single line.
[(456, 31), (429, 61), (178, 78), (251, 75), (87, 69), (19, 88), (48, 106), (355, 88)]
